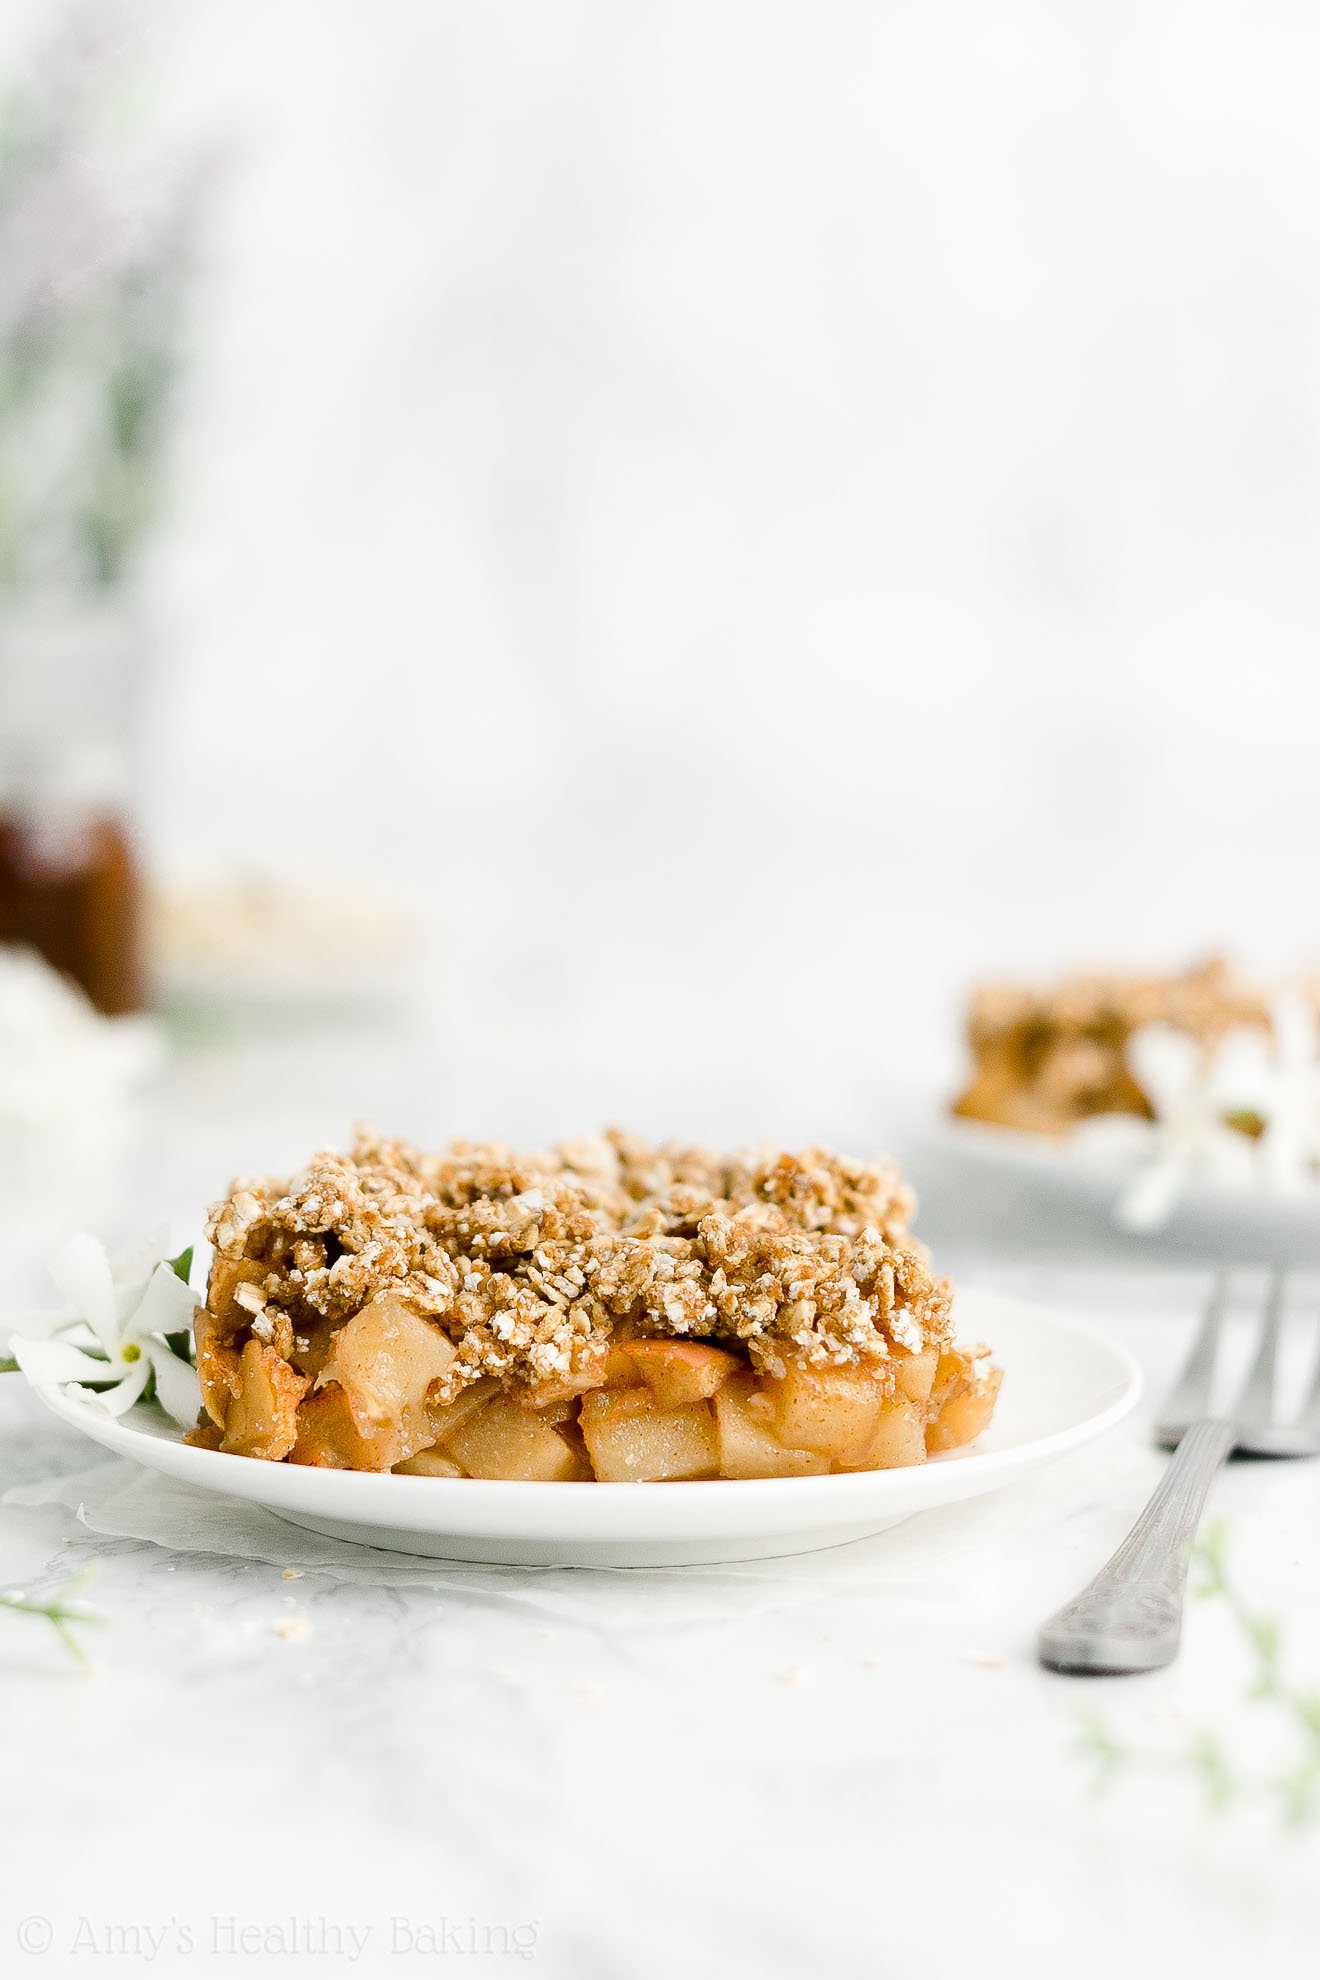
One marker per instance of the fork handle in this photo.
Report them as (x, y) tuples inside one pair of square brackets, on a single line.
[(1130, 1617)]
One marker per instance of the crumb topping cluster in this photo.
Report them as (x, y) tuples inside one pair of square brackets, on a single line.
[(529, 1263), (1204, 1002)]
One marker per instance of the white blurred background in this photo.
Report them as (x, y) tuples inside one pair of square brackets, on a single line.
[(753, 515)]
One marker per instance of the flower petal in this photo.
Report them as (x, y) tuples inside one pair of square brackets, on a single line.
[(48, 1363), (1149, 1199), (81, 1270), (177, 1387), (1242, 1075), (137, 1261), (1166, 1065), (165, 1307), (40, 1326), (1296, 1035), (1287, 1152), (119, 1400)]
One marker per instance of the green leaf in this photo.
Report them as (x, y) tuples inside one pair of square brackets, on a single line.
[(182, 1265)]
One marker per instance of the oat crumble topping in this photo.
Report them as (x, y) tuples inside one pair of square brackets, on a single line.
[(1204, 1002), (531, 1263)]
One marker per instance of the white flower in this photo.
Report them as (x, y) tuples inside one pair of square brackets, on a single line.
[(1192, 1092), (1290, 1101), (111, 1331)]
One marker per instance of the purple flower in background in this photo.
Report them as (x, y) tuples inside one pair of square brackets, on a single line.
[(95, 234)]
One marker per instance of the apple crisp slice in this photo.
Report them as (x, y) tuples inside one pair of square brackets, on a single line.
[(1045, 1059), (603, 1310)]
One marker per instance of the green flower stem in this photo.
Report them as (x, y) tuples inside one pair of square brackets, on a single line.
[(59, 1613), (1295, 1792)]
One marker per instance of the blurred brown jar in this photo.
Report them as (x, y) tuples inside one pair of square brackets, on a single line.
[(69, 882)]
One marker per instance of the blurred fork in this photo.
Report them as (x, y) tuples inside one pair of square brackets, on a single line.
[(1130, 1617)]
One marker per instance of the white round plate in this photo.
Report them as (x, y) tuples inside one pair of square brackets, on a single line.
[(1063, 1385), (1246, 1225)]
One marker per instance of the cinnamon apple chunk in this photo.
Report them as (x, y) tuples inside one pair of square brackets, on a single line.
[(601, 1365), (833, 1411), (219, 1330), (218, 1355), (914, 1374), (899, 1437), (504, 1440), (963, 1400), (261, 1419), (748, 1447), (335, 1436), (386, 1359), (680, 1372), (447, 1418), (630, 1437), (430, 1464)]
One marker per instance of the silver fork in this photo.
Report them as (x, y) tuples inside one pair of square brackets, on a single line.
[(1130, 1617)]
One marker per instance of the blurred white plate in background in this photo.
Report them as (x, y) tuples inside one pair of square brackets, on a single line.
[(1063, 1385), (1211, 1220)]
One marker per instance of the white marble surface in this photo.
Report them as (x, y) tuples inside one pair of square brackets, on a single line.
[(846, 1763)]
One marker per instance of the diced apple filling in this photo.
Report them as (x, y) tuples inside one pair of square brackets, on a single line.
[(835, 1411), (700, 1413), (653, 1409), (371, 1405), (219, 1329)]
